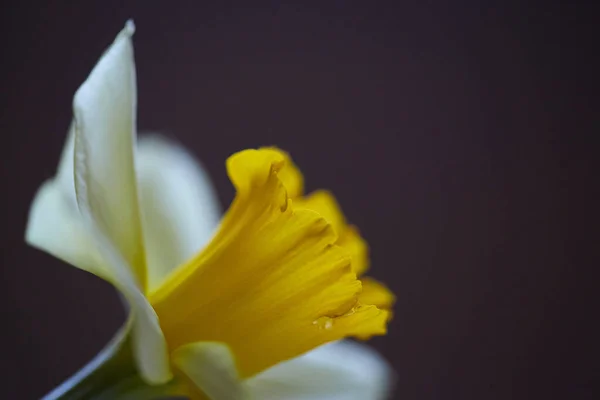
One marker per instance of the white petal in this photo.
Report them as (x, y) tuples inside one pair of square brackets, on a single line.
[(105, 181), (105, 184), (210, 365), (179, 207), (336, 371)]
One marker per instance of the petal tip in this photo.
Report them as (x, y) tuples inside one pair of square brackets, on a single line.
[(129, 27)]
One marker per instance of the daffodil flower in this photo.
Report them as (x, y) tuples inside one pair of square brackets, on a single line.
[(251, 307)]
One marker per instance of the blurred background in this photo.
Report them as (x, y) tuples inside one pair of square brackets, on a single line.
[(453, 135)]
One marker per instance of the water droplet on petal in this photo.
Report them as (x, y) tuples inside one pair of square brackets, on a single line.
[(324, 322)]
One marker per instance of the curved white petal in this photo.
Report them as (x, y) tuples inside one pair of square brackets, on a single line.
[(149, 345), (105, 185), (336, 371), (211, 367), (105, 182), (105, 355), (179, 207)]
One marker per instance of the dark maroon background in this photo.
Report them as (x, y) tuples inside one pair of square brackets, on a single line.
[(453, 133)]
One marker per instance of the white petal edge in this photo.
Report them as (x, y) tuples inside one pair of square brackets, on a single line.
[(179, 207), (211, 367), (65, 174), (343, 370), (55, 226), (104, 355), (104, 108)]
